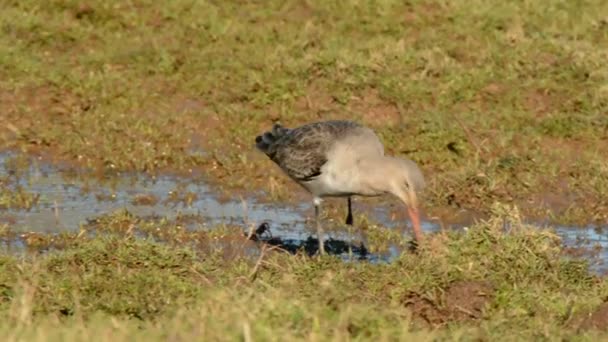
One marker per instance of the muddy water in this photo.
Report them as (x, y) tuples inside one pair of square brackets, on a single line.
[(65, 203)]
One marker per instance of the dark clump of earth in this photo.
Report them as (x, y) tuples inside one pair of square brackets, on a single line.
[(461, 301), (592, 320)]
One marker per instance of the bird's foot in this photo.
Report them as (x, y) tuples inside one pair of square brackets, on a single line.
[(413, 246)]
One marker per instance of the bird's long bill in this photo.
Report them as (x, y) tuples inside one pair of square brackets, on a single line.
[(415, 218)]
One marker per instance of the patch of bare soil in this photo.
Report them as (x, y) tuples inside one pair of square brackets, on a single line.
[(375, 110), (467, 299), (316, 100), (425, 311), (492, 91), (24, 109), (494, 88), (300, 11), (461, 301), (368, 104), (41, 100), (539, 101), (594, 320), (425, 12)]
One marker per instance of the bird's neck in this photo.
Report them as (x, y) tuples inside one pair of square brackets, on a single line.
[(377, 174)]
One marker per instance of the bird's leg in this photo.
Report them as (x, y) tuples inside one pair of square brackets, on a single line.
[(349, 223), (349, 216), (317, 203)]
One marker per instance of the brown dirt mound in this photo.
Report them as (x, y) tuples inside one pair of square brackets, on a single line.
[(424, 310), (597, 319), (467, 299), (462, 300)]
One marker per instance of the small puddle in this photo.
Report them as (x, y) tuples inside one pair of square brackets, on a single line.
[(67, 201), (587, 242)]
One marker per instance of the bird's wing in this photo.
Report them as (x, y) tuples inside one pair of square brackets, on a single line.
[(301, 157), (302, 152)]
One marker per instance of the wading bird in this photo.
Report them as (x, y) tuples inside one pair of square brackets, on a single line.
[(342, 159)]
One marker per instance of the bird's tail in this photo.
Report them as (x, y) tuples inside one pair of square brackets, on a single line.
[(265, 141)]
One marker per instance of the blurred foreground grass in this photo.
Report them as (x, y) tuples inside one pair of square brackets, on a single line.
[(501, 280)]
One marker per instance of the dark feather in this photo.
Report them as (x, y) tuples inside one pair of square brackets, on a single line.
[(301, 152)]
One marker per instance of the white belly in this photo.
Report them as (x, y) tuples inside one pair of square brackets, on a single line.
[(333, 184), (340, 176)]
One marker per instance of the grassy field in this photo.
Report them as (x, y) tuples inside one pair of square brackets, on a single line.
[(488, 284), (497, 101)]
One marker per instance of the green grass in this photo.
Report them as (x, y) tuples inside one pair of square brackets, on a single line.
[(496, 101), (11, 198), (115, 287)]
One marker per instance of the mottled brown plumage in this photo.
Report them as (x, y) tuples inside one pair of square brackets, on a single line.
[(302, 151)]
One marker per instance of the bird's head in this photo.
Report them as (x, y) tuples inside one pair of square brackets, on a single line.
[(406, 182), (410, 181)]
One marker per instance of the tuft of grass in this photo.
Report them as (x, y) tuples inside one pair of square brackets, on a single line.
[(14, 195), (17, 198)]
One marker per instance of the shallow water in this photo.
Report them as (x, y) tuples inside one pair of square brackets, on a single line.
[(590, 242), (67, 202)]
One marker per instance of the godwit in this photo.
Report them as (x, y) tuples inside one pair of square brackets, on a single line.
[(342, 159)]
